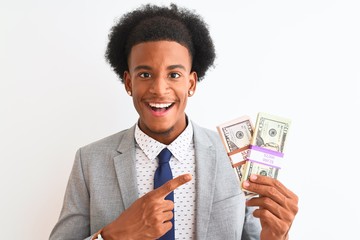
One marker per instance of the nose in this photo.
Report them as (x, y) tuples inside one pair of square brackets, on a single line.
[(159, 86)]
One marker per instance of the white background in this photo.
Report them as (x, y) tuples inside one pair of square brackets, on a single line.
[(296, 59)]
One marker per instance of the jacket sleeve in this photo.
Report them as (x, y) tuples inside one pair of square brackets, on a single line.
[(252, 226), (74, 220)]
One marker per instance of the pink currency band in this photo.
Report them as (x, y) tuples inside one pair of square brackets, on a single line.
[(265, 150), (265, 156)]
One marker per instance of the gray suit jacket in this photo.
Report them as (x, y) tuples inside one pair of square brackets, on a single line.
[(103, 184)]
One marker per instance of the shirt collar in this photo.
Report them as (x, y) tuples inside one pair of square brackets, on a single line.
[(179, 147)]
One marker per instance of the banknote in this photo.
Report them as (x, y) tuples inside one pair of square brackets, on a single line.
[(267, 146), (236, 136)]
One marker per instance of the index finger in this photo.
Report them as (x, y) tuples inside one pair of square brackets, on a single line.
[(264, 180), (171, 185)]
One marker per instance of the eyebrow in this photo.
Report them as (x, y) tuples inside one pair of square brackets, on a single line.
[(142, 67), (171, 67)]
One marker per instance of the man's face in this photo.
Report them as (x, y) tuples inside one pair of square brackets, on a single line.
[(159, 79)]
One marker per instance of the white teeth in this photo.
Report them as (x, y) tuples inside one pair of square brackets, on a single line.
[(160, 105)]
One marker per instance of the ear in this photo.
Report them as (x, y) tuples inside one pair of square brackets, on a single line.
[(192, 83), (127, 82)]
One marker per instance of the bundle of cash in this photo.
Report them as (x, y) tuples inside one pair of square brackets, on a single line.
[(236, 136), (267, 146), (259, 151)]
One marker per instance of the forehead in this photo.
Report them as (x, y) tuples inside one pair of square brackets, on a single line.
[(159, 53)]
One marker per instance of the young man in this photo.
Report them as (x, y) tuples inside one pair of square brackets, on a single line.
[(160, 54)]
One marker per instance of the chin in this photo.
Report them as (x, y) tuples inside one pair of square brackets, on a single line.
[(161, 131)]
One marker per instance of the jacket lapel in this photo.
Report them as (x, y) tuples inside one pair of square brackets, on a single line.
[(125, 168), (205, 161), (206, 166)]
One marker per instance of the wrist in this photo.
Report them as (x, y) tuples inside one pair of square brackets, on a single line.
[(116, 229)]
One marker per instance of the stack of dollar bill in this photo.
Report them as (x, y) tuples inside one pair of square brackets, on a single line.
[(256, 150)]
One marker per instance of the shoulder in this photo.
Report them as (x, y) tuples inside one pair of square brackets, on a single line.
[(111, 140), (110, 144), (205, 134)]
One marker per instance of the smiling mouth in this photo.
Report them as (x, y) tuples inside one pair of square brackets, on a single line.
[(160, 107)]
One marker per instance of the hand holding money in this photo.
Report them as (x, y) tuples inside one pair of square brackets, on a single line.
[(277, 206)]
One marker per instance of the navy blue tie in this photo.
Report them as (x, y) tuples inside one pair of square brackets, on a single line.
[(162, 175)]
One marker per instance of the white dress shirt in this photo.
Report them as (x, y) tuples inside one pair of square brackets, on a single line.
[(182, 161)]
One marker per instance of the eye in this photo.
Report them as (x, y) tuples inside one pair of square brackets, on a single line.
[(174, 75), (145, 75)]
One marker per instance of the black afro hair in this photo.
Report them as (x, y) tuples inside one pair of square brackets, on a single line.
[(154, 23)]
